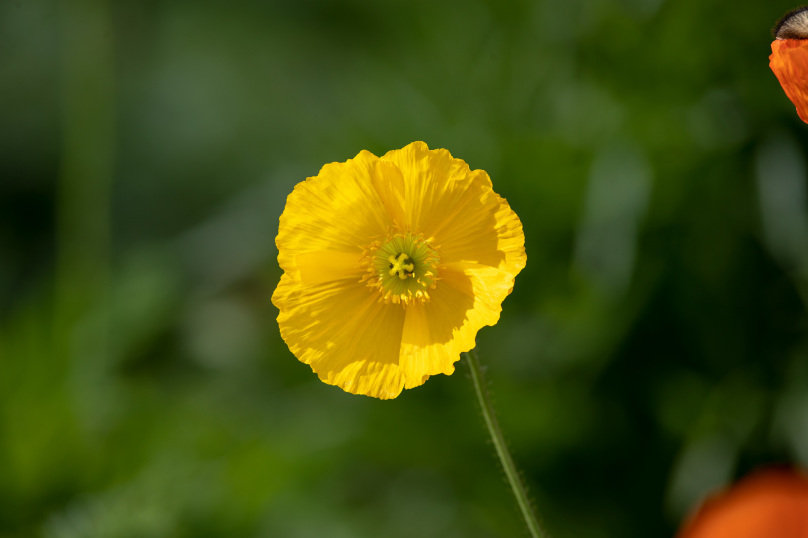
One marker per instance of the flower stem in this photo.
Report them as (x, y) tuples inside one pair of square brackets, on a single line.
[(519, 491)]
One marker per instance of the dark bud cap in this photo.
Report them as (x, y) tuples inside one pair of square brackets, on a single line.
[(793, 25)]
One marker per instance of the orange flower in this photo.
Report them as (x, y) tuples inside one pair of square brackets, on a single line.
[(771, 503), (789, 58), (789, 61)]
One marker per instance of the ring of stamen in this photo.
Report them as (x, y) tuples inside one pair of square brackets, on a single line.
[(401, 267)]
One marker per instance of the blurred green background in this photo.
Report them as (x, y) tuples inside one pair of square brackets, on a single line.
[(654, 348)]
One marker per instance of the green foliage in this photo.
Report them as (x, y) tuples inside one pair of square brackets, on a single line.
[(654, 348)]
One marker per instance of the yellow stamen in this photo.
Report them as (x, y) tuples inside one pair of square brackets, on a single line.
[(401, 267)]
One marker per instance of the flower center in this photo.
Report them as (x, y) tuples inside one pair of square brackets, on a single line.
[(402, 267)]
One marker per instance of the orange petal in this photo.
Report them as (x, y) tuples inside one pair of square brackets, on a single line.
[(789, 61), (767, 504)]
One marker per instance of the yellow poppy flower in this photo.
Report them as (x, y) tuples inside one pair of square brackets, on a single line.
[(391, 266)]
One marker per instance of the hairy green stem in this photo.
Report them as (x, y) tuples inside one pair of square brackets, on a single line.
[(519, 491)]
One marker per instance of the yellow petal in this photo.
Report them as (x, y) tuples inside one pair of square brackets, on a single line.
[(435, 333), (489, 234), (429, 343), (338, 210), (426, 176), (389, 184), (325, 266), (458, 209), (343, 333), (488, 285)]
